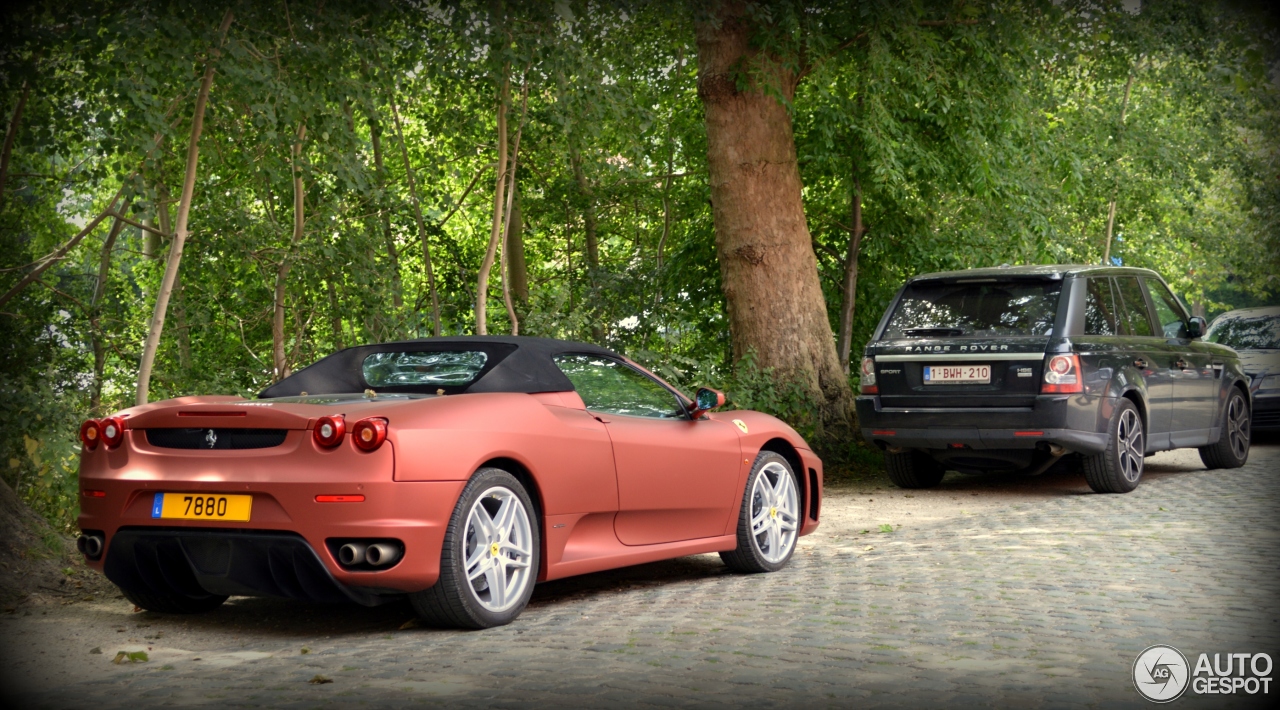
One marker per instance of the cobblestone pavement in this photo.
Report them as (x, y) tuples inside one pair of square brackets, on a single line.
[(1039, 597)]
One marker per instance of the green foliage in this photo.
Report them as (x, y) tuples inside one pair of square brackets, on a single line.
[(975, 134)]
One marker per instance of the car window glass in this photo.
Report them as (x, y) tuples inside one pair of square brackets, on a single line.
[(1168, 310), (394, 369), (1100, 308), (1134, 306), (965, 309), (607, 385), (1246, 333)]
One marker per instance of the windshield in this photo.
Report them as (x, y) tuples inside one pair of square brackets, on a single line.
[(934, 310), (440, 368), (1257, 333)]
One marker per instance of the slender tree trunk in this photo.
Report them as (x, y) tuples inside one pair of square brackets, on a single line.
[(768, 269), (95, 315), (517, 268), (506, 228), (588, 209), (279, 360), (10, 135), (1111, 209), (181, 331), (849, 290), (417, 214), (495, 230), (375, 134), (335, 315), (180, 233)]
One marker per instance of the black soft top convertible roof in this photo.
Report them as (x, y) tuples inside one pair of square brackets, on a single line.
[(514, 364)]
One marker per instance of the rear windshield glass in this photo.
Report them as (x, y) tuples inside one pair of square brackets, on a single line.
[(933, 310), (441, 368), (1259, 333)]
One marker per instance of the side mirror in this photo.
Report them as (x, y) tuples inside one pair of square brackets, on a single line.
[(1196, 327), (706, 400)]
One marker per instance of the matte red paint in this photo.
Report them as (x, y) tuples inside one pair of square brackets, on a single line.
[(611, 490)]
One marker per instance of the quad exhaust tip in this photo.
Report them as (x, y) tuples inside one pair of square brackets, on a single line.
[(380, 554)]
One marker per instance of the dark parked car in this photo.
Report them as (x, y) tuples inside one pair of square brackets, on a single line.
[(1254, 333), (1016, 368)]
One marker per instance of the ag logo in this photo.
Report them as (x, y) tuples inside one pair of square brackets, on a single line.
[(1161, 673)]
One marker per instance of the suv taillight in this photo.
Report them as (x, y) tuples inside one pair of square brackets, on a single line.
[(1062, 375), (867, 383)]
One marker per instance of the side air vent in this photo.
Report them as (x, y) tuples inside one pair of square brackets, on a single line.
[(216, 438)]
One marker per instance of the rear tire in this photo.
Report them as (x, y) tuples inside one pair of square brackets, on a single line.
[(1118, 469), (169, 603), (913, 469), (1232, 448), (489, 560)]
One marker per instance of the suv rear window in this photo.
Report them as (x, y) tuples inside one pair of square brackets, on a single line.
[(932, 309)]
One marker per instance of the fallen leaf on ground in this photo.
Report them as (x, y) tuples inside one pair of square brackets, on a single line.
[(410, 624), (97, 650), (320, 680), (305, 650)]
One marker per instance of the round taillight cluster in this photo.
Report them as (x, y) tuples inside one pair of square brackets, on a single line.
[(90, 434), (368, 434), (109, 431), (329, 431)]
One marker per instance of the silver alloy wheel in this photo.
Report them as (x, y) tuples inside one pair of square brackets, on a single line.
[(775, 512), (1130, 444), (1238, 427), (498, 548)]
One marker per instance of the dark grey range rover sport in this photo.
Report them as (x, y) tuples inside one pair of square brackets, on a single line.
[(1021, 368)]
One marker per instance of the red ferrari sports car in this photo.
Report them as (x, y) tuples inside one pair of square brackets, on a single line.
[(455, 471)]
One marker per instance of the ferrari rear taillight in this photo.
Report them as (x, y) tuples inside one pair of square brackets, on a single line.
[(329, 430), (90, 434), (1062, 375), (868, 380), (368, 434), (112, 431)]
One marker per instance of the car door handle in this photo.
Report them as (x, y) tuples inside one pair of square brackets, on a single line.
[(1140, 363)]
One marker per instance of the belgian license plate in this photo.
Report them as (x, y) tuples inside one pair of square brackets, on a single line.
[(957, 374), (202, 506)]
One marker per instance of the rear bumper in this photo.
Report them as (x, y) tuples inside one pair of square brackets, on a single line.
[(1266, 412), (1076, 422), (285, 536)]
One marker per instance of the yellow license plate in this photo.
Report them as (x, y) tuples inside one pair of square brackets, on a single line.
[(202, 506)]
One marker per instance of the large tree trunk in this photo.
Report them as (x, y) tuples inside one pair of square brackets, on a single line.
[(768, 269), (849, 289), (10, 134), (588, 209), (495, 229), (279, 361), (180, 233)]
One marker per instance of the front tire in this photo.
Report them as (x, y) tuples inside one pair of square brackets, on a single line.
[(913, 469), (769, 521), (1118, 469), (173, 603), (490, 557), (1232, 448)]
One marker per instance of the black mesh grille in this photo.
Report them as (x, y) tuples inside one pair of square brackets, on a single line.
[(1267, 419), (216, 438)]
